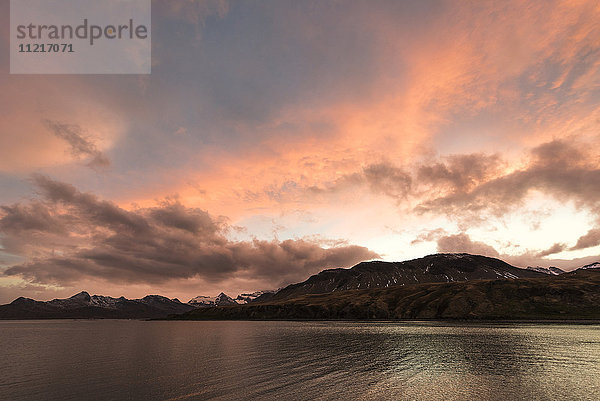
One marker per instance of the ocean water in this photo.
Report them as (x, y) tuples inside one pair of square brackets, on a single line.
[(140, 360)]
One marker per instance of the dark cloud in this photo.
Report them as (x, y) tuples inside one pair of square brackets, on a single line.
[(556, 248), (592, 238), (69, 235), (32, 217), (460, 172), (556, 169), (471, 187), (388, 179), (460, 243), (473, 184), (557, 153), (88, 208), (81, 145)]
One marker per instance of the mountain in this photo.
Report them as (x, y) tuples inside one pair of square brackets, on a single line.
[(250, 297), (220, 300), (84, 306), (202, 300), (569, 296), (223, 299), (547, 270), (438, 268), (436, 286)]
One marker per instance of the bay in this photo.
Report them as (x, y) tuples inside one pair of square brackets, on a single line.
[(274, 360)]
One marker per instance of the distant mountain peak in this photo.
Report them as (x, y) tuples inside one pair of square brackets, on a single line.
[(84, 306), (83, 295), (223, 299), (595, 265), (23, 300), (220, 300), (202, 300)]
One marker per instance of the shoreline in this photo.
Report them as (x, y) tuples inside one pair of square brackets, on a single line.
[(386, 321)]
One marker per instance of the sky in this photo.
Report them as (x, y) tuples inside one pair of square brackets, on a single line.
[(274, 139)]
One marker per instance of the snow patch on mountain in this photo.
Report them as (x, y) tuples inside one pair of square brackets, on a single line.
[(223, 299), (105, 302), (220, 300), (244, 298), (554, 271), (202, 300)]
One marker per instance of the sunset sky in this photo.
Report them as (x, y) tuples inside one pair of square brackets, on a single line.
[(274, 139)]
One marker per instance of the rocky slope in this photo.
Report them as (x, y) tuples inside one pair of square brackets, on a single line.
[(568, 296), (547, 270), (438, 268)]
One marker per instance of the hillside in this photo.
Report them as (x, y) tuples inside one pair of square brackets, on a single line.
[(438, 268), (574, 295)]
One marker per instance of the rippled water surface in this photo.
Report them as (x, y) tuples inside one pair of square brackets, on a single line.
[(138, 360)]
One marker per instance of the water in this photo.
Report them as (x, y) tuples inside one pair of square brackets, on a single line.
[(138, 360)]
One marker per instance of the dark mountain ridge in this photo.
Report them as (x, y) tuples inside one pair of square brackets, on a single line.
[(331, 293), (437, 268), (84, 306), (569, 296)]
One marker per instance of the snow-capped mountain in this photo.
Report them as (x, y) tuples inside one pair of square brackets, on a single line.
[(202, 300), (438, 268), (82, 305), (220, 300), (555, 271), (244, 298), (595, 265), (571, 296), (223, 299)]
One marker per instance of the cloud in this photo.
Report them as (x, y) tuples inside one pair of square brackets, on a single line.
[(461, 172), (557, 168), (464, 184), (429, 235), (387, 179), (592, 238), (556, 248), (380, 178), (69, 236), (81, 146), (462, 243), (32, 217)]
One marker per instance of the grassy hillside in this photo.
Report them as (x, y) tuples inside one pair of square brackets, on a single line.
[(573, 295)]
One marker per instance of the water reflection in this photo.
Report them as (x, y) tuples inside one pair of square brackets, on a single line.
[(298, 361)]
